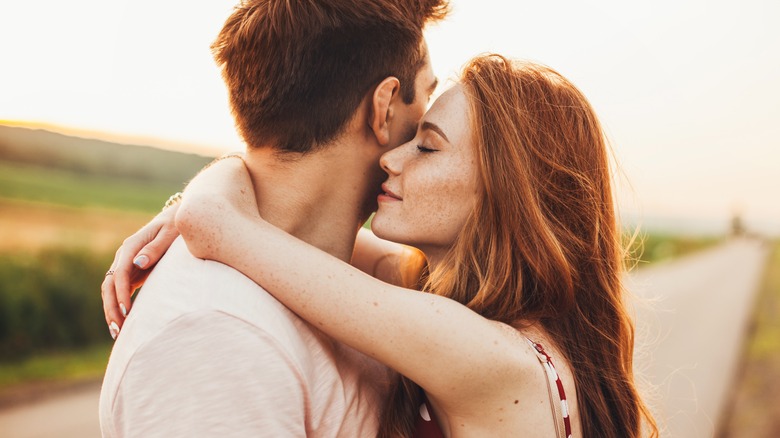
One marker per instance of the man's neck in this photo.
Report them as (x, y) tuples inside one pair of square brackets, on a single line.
[(319, 198)]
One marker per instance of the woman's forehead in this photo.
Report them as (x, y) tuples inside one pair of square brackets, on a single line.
[(450, 111), (449, 97)]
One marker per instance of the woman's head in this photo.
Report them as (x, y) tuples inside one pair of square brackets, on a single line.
[(432, 183), (508, 166), (525, 229)]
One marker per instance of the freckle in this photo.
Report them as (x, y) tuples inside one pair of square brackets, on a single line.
[(500, 420), (376, 304), (517, 401)]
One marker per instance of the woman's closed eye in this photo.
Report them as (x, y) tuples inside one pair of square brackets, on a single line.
[(425, 149)]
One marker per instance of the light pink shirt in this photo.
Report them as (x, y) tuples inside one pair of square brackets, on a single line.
[(207, 352)]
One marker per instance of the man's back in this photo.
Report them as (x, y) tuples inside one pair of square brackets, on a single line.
[(208, 352)]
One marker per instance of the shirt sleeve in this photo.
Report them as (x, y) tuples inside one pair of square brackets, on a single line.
[(211, 374)]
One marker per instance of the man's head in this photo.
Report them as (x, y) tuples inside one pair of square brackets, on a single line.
[(296, 71)]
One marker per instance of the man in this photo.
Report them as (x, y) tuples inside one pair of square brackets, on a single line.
[(319, 91)]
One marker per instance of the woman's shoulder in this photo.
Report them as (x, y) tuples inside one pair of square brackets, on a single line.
[(523, 352), (523, 389), (514, 367), (551, 362), (516, 400), (518, 346)]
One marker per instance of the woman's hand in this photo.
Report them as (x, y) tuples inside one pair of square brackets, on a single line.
[(132, 264), (226, 182)]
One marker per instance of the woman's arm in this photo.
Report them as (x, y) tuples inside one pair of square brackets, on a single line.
[(387, 261), (140, 252), (136, 256), (131, 266), (449, 350)]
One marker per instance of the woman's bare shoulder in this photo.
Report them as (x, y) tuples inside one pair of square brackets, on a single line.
[(521, 402)]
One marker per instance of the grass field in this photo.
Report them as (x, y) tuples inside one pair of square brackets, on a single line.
[(51, 221), (87, 363), (42, 207), (755, 411), (32, 226), (59, 187), (655, 247)]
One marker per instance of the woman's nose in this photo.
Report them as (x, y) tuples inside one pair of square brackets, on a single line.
[(390, 162)]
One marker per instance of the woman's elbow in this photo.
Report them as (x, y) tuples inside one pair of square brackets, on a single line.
[(195, 221)]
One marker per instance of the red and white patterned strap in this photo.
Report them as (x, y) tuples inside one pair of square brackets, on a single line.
[(560, 406)]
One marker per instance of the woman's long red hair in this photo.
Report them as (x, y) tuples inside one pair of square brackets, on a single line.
[(543, 244)]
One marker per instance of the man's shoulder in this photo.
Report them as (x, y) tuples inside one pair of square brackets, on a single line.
[(187, 291), (202, 326), (205, 367), (182, 283)]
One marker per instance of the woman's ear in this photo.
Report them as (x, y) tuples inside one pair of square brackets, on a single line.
[(382, 102)]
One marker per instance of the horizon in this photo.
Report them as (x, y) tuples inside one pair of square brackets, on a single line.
[(118, 138), (661, 224), (687, 94)]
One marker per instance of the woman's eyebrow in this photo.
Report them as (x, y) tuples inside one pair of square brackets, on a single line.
[(435, 128)]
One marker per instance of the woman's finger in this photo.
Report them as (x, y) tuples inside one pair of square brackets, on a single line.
[(153, 251), (114, 318), (124, 268), (123, 272)]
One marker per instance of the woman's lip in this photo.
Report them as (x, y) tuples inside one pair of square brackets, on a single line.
[(388, 193), (384, 197)]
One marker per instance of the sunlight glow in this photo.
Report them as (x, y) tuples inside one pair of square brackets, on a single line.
[(687, 91)]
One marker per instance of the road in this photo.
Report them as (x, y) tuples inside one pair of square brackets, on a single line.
[(689, 337), (70, 414), (690, 327)]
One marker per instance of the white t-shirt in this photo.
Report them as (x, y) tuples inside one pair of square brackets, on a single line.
[(206, 352)]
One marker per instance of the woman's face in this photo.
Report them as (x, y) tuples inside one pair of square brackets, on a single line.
[(432, 185)]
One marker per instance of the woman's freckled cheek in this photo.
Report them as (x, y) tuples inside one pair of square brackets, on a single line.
[(443, 189)]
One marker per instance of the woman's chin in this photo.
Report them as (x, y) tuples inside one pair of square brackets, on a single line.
[(378, 230), (385, 231)]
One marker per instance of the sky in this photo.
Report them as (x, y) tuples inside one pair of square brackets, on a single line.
[(688, 91)]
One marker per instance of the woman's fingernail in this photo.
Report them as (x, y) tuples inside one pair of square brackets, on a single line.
[(141, 261), (123, 309), (114, 329)]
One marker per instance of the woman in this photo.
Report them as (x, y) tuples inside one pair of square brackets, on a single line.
[(506, 190)]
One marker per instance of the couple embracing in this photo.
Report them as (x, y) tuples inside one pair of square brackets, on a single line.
[(485, 301)]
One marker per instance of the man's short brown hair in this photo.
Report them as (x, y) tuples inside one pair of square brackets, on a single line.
[(296, 70)]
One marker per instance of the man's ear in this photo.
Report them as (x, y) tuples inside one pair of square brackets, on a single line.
[(382, 103)]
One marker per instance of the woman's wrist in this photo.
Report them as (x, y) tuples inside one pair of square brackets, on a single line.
[(172, 200)]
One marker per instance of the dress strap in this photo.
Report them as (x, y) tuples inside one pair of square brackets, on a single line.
[(559, 405), (427, 425)]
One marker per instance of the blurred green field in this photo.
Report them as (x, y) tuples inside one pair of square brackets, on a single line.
[(66, 203), (62, 187), (655, 247), (50, 301), (77, 364)]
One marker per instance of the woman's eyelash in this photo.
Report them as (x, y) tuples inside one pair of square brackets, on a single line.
[(424, 149)]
